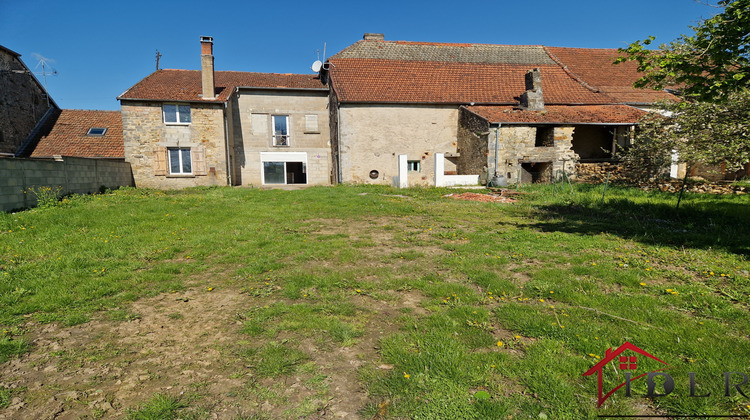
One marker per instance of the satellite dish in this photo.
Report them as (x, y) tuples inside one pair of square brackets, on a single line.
[(316, 66)]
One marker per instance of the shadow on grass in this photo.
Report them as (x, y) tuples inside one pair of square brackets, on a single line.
[(700, 224)]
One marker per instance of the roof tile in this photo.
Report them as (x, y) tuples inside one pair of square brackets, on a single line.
[(555, 114), (67, 137), (185, 85)]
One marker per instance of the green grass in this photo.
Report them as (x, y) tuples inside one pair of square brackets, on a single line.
[(159, 407), (514, 302)]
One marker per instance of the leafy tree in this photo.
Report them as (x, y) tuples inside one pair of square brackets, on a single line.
[(711, 71), (710, 133), (706, 66)]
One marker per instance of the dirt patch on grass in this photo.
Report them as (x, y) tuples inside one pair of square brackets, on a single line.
[(189, 345)]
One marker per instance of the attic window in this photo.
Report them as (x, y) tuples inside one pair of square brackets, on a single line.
[(96, 131)]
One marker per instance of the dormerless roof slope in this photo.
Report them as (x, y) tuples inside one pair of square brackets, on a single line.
[(594, 66), (67, 136), (185, 85), (419, 72)]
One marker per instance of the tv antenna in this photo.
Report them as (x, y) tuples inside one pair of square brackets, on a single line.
[(47, 69), (317, 65)]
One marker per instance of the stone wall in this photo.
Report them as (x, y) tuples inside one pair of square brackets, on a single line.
[(372, 136), (473, 144), (146, 135), (309, 132), (23, 102), (74, 175), (596, 173), (517, 151)]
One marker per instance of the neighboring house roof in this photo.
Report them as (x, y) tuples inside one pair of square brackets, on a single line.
[(596, 67), (454, 53), (379, 71), (67, 135), (556, 114), (185, 85), (402, 81)]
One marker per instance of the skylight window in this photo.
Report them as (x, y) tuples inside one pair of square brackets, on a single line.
[(96, 131)]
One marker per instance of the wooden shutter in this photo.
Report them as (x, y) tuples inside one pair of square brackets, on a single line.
[(160, 161), (199, 161)]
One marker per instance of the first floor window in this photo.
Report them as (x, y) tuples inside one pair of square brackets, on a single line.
[(179, 161), (280, 130), (176, 114), (414, 166)]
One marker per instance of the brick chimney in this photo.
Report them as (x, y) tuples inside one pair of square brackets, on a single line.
[(532, 99), (207, 67), (373, 37)]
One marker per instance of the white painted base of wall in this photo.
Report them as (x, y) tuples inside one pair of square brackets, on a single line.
[(442, 180)]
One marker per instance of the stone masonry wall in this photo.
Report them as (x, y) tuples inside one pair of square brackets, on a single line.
[(145, 132), (473, 144), (22, 103), (74, 175), (517, 146), (309, 132), (372, 137)]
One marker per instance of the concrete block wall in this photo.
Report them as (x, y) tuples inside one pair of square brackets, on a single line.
[(74, 175)]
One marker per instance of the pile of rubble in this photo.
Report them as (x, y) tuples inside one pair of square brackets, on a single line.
[(485, 198), (703, 187)]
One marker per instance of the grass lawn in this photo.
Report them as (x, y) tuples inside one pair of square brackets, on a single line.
[(372, 302)]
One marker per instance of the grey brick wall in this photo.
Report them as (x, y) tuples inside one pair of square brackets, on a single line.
[(74, 175)]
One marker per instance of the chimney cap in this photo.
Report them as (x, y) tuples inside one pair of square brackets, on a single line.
[(370, 36), (207, 39)]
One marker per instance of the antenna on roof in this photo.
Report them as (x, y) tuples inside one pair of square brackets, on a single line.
[(317, 65), (158, 56), (46, 69)]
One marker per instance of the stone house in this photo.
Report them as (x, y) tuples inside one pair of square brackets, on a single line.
[(526, 113), (465, 101), (25, 105), (184, 128)]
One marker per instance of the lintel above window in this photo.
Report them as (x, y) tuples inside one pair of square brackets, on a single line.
[(97, 131), (176, 113)]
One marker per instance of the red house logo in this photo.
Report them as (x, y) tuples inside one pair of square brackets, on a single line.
[(627, 363)]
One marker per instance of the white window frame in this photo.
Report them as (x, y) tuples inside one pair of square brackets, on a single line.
[(177, 114), (180, 157), (276, 137)]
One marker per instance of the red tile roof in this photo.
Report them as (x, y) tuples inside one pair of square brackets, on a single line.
[(408, 81), (596, 68), (67, 137), (185, 85), (555, 114)]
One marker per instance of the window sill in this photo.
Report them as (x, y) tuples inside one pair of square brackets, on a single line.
[(181, 176), (176, 123)]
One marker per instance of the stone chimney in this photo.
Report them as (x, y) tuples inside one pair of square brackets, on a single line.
[(207, 67), (373, 37), (532, 99)]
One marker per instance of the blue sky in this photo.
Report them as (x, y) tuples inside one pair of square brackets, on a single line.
[(100, 48)]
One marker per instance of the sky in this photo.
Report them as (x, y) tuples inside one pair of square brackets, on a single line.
[(101, 48)]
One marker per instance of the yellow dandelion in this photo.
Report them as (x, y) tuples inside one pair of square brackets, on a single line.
[(500, 344), (642, 283), (406, 375), (210, 289)]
